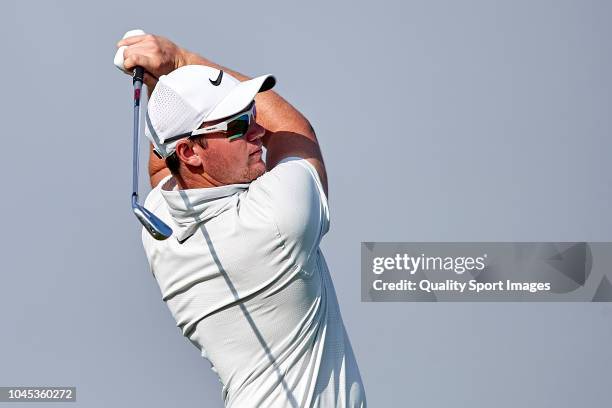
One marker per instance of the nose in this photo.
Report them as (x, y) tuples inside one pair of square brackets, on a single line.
[(256, 132)]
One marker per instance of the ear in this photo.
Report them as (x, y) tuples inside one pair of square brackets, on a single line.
[(186, 152)]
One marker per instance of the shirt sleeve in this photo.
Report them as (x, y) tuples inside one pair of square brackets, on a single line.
[(297, 205)]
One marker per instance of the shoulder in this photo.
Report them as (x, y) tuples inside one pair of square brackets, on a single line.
[(292, 177), (295, 198)]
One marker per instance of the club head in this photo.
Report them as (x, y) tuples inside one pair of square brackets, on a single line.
[(156, 227)]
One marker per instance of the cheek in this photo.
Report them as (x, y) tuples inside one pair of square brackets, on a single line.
[(222, 160), (234, 154), (239, 151)]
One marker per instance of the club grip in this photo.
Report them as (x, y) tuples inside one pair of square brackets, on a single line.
[(138, 75)]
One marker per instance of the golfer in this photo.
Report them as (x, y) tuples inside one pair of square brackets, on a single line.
[(243, 274)]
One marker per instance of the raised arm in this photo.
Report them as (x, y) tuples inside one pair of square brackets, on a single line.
[(288, 132)]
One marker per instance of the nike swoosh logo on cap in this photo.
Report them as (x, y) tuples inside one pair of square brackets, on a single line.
[(217, 81)]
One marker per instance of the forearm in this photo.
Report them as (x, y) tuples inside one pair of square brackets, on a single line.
[(157, 168)]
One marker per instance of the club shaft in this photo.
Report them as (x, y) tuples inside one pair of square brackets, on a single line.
[(136, 150)]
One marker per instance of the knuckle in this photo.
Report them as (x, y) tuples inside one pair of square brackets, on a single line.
[(138, 60)]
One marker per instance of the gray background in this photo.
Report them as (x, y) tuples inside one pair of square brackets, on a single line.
[(439, 121)]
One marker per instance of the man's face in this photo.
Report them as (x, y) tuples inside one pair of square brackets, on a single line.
[(233, 161)]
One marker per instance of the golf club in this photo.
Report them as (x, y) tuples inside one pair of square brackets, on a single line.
[(156, 227)]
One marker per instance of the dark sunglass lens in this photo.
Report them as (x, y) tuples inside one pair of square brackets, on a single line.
[(238, 127)]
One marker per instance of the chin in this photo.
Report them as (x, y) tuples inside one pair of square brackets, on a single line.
[(255, 171), (259, 170)]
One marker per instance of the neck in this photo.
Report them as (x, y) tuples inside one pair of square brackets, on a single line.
[(188, 180)]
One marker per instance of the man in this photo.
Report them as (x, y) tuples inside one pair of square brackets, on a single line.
[(243, 274)]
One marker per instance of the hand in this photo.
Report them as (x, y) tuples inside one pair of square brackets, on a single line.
[(157, 55)]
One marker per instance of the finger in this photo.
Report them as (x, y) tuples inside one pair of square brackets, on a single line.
[(136, 60), (147, 56), (126, 58), (133, 40)]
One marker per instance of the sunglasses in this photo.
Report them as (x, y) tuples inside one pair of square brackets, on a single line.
[(233, 127)]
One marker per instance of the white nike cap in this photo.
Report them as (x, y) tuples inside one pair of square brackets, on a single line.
[(191, 95)]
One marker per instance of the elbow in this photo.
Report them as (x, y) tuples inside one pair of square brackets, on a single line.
[(310, 128)]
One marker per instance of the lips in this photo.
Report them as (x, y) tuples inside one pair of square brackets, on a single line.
[(255, 152)]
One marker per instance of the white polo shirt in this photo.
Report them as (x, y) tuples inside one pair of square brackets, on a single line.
[(245, 279)]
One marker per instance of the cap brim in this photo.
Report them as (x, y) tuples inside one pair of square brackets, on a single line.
[(240, 97)]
